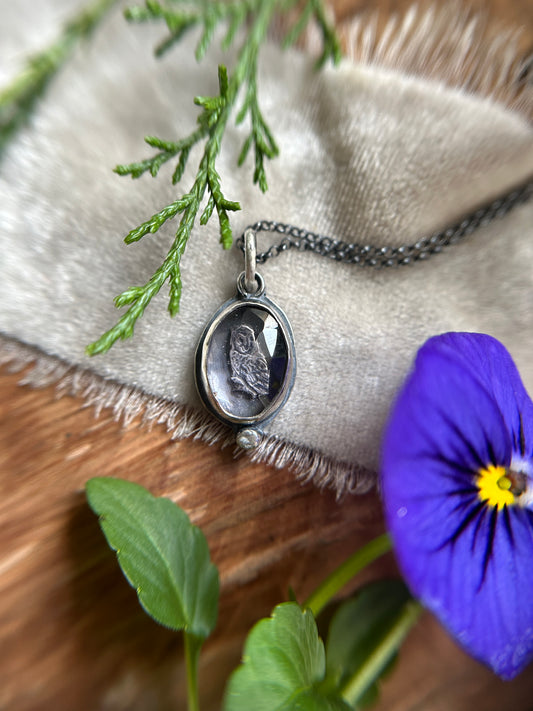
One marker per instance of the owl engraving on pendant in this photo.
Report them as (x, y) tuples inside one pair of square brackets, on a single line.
[(249, 370)]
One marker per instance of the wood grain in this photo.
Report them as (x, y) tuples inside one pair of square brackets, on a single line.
[(72, 635), (72, 625)]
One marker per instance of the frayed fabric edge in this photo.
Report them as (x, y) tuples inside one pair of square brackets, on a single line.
[(449, 43), (180, 421)]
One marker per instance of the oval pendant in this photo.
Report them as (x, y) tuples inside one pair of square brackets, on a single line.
[(245, 364)]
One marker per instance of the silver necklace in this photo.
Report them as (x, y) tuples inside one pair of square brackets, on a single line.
[(246, 360)]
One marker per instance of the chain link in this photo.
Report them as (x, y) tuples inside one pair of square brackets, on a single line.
[(369, 255)]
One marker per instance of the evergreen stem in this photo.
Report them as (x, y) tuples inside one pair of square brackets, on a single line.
[(346, 571), (212, 125), (18, 97), (246, 62)]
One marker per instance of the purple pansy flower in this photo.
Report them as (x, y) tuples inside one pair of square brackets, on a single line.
[(457, 479)]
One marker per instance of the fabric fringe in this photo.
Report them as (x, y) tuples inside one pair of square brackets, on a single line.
[(449, 43), (180, 421)]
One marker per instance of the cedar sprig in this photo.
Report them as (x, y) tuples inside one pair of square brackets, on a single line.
[(260, 135), (18, 99), (179, 17), (315, 10), (207, 13)]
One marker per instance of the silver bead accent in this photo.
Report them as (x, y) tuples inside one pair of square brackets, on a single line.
[(248, 438)]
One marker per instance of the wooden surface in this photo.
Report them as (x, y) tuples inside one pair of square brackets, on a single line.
[(499, 13), (72, 635)]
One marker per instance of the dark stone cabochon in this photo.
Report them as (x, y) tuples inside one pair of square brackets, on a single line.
[(247, 360)]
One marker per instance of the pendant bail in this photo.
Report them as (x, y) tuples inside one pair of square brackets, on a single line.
[(250, 251)]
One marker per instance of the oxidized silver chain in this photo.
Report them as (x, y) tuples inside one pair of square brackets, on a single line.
[(370, 255)]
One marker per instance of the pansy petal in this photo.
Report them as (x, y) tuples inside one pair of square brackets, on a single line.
[(443, 429), (469, 562), (445, 412), (478, 588), (506, 593), (492, 364)]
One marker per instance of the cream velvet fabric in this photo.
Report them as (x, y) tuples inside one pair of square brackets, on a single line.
[(366, 154)]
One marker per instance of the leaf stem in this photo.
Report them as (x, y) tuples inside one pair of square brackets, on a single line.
[(354, 688), (346, 571), (192, 653)]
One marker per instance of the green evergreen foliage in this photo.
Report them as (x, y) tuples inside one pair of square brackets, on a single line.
[(18, 99), (256, 17)]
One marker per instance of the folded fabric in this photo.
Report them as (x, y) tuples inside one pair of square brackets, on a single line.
[(367, 154)]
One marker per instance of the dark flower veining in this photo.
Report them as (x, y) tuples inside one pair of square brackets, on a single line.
[(457, 478)]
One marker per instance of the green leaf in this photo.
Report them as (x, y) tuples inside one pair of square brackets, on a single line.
[(298, 27), (226, 235), (231, 205), (283, 666), (180, 168), (161, 144), (236, 21), (129, 296), (210, 23), (358, 634), (161, 554), (222, 80), (211, 103), (245, 149), (175, 291), (208, 211)]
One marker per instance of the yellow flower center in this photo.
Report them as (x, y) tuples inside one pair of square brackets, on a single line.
[(499, 487)]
